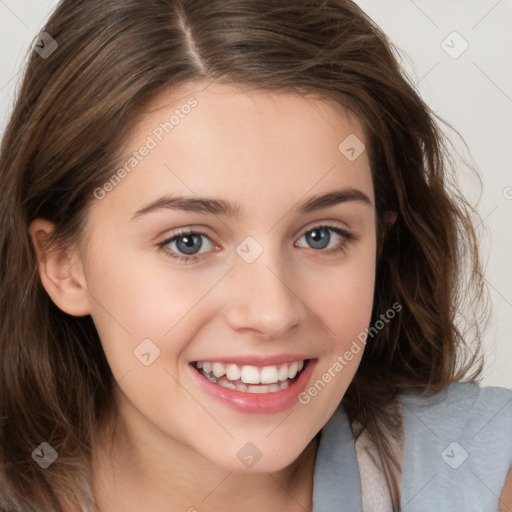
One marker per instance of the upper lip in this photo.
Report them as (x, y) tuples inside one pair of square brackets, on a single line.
[(260, 361)]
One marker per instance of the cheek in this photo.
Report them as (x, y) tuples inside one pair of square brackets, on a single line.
[(342, 295), (138, 296), (343, 302), (135, 289), (354, 303)]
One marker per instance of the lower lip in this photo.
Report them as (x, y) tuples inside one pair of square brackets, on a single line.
[(257, 403)]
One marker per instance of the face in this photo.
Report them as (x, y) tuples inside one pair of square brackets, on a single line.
[(220, 319)]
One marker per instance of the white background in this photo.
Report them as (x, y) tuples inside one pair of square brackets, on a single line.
[(472, 92)]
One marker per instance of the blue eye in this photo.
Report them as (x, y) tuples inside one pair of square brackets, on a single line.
[(320, 236), (188, 243)]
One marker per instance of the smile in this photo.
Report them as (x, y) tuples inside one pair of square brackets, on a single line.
[(251, 379), (254, 384)]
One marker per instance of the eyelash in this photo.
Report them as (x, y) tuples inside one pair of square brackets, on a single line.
[(347, 239)]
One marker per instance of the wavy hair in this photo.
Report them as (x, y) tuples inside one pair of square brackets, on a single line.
[(76, 108)]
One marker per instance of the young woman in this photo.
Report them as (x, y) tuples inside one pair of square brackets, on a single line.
[(231, 272)]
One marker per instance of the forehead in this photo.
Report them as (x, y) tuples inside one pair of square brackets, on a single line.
[(242, 105), (247, 146)]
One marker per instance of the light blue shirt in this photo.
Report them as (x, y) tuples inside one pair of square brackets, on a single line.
[(457, 453)]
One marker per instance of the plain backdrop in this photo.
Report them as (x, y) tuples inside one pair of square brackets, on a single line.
[(458, 53)]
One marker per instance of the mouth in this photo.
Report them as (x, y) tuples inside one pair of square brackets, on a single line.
[(251, 379)]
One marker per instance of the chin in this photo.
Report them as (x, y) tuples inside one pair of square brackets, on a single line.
[(252, 458)]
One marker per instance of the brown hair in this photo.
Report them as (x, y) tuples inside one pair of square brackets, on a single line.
[(74, 111)]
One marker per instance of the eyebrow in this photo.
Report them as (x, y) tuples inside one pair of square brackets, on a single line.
[(217, 206)]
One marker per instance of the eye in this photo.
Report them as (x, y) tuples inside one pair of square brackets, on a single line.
[(320, 237), (185, 245)]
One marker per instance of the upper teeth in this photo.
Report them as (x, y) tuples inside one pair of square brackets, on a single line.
[(253, 374)]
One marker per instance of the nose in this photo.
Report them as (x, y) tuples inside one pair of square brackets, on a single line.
[(263, 298)]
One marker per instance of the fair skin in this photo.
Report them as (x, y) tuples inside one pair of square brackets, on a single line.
[(270, 153), (175, 446), (506, 495)]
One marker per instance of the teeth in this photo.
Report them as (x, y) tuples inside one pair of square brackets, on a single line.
[(232, 372), (257, 389), (211, 378), (250, 375), (226, 384), (293, 370), (269, 375), (218, 369), (283, 372), (250, 379), (241, 387)]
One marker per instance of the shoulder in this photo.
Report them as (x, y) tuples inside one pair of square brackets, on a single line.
[(457, 391), (479, 417), (458, 446), (463, 404)]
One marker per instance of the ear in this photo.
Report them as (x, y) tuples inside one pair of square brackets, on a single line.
[(60, 270)]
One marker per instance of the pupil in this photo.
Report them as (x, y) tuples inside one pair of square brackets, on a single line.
[(319, 238), (189, 243)]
